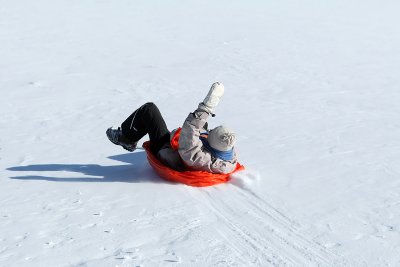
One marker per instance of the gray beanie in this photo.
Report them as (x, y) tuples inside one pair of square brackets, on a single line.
[(221, 138)]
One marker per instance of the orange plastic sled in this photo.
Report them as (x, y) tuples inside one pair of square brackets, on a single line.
[(192, 178)]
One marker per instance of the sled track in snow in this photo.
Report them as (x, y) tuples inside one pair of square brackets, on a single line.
[(260, 234)]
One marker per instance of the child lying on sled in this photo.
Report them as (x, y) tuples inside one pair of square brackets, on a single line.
[(199, 148)]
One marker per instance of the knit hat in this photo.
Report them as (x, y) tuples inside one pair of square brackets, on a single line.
[(221, 138)]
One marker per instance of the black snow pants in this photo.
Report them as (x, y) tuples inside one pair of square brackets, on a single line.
[(147, 120)]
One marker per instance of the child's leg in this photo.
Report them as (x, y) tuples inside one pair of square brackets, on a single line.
[(146, 120)]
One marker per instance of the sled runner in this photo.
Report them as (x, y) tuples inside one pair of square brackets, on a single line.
[(192, 178)]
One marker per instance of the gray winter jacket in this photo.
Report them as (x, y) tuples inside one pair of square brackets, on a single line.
[(191, 153)]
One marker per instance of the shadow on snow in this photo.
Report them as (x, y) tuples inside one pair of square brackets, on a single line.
[(138, 170)]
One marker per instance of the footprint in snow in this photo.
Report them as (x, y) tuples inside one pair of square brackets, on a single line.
[(173, 258), (388, 228), (36, 84), (22, 237), (50, 244), (125, 255)]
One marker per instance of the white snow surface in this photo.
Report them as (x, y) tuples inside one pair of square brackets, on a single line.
[(311, 88)]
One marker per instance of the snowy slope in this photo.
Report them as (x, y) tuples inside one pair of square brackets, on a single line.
[(312, 90)]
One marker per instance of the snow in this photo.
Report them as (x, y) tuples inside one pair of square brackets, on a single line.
[(311, 88)]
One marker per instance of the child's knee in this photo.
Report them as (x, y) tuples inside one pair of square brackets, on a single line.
[(150, 106)]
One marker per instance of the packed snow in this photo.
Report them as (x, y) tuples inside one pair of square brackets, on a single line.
[(311, 88)]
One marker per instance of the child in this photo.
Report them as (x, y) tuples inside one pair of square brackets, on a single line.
[(199, 149)]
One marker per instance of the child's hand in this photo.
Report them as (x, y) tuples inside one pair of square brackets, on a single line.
[(212, 98)]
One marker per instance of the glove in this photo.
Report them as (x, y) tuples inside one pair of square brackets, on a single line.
[(212, 99)]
